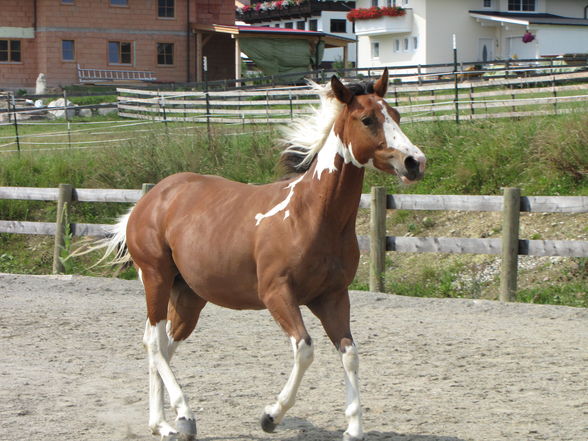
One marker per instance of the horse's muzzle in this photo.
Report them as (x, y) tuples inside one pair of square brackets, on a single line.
[(414, 167)]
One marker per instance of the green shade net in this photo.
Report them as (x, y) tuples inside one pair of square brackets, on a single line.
[(277, 56)]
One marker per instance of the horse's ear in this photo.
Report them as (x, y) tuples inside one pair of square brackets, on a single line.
[(342, 92), (381, 86)]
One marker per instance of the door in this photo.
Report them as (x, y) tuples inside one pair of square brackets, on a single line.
[(486, 49)]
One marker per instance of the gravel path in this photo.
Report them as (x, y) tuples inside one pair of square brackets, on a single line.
[(73, 368)]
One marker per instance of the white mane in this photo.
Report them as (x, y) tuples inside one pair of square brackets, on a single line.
[(307, 135)]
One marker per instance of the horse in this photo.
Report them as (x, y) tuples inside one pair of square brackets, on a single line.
[(196, 239)]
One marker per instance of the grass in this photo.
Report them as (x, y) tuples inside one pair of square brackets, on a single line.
[(543, 155)]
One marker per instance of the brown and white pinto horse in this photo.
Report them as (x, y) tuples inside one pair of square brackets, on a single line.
[(196, 239)]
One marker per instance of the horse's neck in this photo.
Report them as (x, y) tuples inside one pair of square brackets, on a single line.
[(336, 191)]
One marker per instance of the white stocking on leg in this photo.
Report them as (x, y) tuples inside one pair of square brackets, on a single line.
[(353, 413)]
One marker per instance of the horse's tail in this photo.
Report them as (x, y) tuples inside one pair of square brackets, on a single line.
[(114, 245)]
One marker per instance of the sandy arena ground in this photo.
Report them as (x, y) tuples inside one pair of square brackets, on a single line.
[(72, 367)]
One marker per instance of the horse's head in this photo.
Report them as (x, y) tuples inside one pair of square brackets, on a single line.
[(369, 128)]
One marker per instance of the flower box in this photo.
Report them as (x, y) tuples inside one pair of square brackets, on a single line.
[(385, 25)]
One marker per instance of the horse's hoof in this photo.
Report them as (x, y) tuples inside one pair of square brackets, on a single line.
[(267, 423), (348, 437), (186, 429)]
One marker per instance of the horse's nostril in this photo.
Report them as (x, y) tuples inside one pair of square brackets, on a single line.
[(411, 164)]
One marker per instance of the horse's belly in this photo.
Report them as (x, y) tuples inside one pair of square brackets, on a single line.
[(220, 276)]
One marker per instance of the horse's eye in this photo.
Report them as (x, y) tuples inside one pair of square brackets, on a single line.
[(367, 121)]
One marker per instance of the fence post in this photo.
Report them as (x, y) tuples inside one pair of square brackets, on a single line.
[(67, 119), (62, 219), (510, 244), (377, 238), (145, 188), (15, 121)]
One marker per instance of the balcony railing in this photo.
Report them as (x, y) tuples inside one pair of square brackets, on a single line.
[(304, 9), (385, 25)]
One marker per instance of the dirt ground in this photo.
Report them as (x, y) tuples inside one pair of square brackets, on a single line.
[(72, 367)]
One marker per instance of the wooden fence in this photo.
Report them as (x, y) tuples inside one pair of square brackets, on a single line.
[(377, 243), (461, 100)]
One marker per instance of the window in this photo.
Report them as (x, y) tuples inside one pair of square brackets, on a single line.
[(374, 3), (313, 25), (119, 2), (375, 49), (397, 45), (67, 2), (277, 25), (338, 25), (165, 54), (487, 3), (521, 5), (406, 45), (166, 8), (68, 52), (10, 51), (300, 25), (288, 25), (119, 52), (415, 43)]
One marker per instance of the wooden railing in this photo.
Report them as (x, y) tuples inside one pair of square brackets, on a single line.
[(377, 243)]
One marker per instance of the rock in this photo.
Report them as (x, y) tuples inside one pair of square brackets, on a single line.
[(107, 110), (41, 88), (60, 113), (38, 103), (85, 113)]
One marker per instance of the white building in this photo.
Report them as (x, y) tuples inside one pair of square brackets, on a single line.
[(309, 15), (484, 29)]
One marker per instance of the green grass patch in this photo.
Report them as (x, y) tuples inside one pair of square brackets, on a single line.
[(568, 294)]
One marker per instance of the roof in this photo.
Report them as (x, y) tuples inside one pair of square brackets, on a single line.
[(526, 19), (330, 40)]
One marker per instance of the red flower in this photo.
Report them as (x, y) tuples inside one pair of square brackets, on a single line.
[(375, 12)]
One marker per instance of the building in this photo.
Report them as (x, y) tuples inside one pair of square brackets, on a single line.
[(55, 36), (484, 30), (328, 17)]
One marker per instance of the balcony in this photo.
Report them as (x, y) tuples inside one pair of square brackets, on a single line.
[(385, 25), (286, 11)]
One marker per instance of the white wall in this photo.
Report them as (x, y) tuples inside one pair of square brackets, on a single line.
[(558, 40), (452, 17), (567, 8), (389, 55)]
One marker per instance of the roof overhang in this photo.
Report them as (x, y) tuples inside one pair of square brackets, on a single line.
[(526, 19), (244, 31)]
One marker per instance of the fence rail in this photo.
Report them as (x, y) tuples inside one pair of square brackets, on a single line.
[(377, 244), (470, 99)]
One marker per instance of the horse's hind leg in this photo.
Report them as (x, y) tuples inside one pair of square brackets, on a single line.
[(176, 302)]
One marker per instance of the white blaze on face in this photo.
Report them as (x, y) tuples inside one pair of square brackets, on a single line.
[(282, 205), (395, 137)]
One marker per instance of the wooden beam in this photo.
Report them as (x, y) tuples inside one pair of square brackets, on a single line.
[(237, 61), (199, 52)]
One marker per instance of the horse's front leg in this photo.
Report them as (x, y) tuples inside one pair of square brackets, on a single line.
[(333, 312), (287, 313)]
